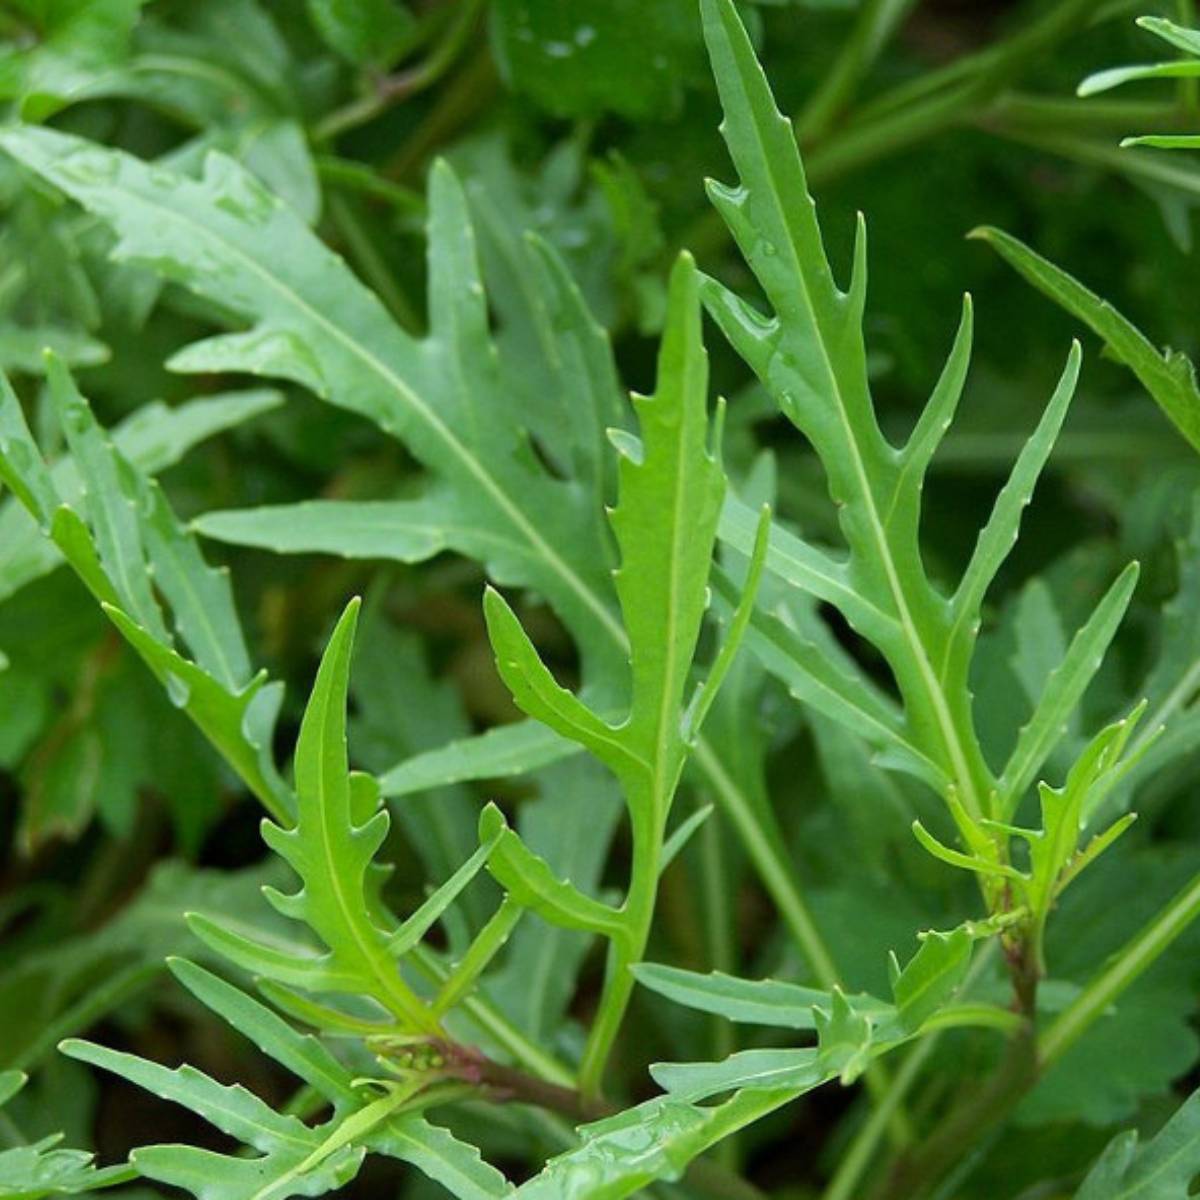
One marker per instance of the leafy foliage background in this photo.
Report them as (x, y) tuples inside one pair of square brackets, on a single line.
[(566, 146)]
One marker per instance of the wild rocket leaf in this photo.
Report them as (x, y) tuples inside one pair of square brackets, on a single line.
[(78, 42), (1064, 688), (229, 239), (809, 354), (44, 1169), (752, 1001), (1168, 375), (656, 1140), (670, 489), (283, 1156), (339, 827), (505, 750), (124, 530), (446, 397), (531, 882)]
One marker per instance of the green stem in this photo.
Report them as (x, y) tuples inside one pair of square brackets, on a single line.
[(913, 1174), (628, 950), (778, 875), (780, 879), (493, 1023), (365, 180), (1020, 110), (716, 893), (1134, 958), (393, 88), (876, 22), (486, 945), (844, 1184)]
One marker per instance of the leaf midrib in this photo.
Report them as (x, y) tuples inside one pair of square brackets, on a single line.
[(441, 430), (920, 656), (368, 951)]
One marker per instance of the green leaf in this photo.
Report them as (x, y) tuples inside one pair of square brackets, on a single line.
[(655, 1140), (133, 533), (442, 1157), (1169, 377), (931, 977), (422, 920), (1179, 36), (539, 977), (665, 522), (227, 238), (238, 722), (304, 1056), (495, 754), (1103, 81), (1162, 1168), (529, 880), (111, 502), (671, 489), (754, 1002), (1064, 688), (693, 1082), (403, 530), (289, 1159), (21, 348), (78, 43), (31, 1172), (810, 356), (339, 827), (999, 535), (537, 692), (845, 1038)]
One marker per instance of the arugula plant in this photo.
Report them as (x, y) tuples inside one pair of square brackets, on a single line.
[(469, 1026)]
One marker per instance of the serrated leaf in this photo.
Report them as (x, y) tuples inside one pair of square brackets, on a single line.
[(339, 827), (110, 502), (529, 880), (810, 355), (931, 977), (656, 1140), (31, 1172), (290, 1159), (228, 238)]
